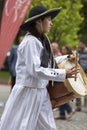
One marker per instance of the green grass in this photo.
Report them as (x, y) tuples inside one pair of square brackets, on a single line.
[(4, 75)]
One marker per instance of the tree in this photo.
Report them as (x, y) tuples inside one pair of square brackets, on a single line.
[(83, 26), (66, 24)]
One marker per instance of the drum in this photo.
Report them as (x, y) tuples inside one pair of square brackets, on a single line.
[(62, 92)]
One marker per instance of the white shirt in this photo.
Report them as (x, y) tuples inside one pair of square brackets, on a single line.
[(28, 70)]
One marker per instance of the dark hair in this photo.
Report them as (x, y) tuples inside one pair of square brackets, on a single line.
[(32, 28), (69, 49)]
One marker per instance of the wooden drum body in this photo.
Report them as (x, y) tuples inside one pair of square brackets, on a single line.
[(61, 93)]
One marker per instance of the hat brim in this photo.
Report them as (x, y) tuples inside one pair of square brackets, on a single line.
[(52, 12)]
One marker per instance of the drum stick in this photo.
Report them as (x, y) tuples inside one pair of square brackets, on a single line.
[(76, 62)]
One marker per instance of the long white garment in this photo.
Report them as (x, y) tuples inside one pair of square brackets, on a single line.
[(28, 106), (28, 109)]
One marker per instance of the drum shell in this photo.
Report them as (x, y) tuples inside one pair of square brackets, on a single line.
[(59, 94), (62, 92)]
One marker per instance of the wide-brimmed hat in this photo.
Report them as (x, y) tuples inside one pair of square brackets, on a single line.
[(39, 12)]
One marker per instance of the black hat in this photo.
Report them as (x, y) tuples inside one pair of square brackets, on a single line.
[(38, 12)]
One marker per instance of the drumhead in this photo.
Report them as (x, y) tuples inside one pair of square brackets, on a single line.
[(78, 87)]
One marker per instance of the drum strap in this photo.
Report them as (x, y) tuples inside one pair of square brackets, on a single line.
[(53, 63)]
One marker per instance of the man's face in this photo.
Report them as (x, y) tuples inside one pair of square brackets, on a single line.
[(82, 46)]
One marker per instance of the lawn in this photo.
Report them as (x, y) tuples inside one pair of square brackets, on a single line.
[(4, 77)]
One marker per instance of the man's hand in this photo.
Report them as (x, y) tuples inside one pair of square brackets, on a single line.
[(72, 58)]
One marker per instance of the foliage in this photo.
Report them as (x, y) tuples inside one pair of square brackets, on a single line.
[(4, 75), (66, 24), (83, 26)]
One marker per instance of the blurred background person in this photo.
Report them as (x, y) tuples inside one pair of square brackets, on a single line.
[(55, 49), (66, 108), (66, 49), (12, 61), (82, 54)]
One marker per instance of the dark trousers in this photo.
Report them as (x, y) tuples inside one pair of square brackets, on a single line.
[(13, 78), (65, 108), (78, 103), (85, 101)]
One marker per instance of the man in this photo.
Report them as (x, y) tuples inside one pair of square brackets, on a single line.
[(82, 53)]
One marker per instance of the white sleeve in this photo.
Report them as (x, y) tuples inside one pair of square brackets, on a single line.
[(59, 59), (33, 63)]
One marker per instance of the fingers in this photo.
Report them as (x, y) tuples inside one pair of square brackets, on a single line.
[(74, 71), (75, 67), (71, 73)]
